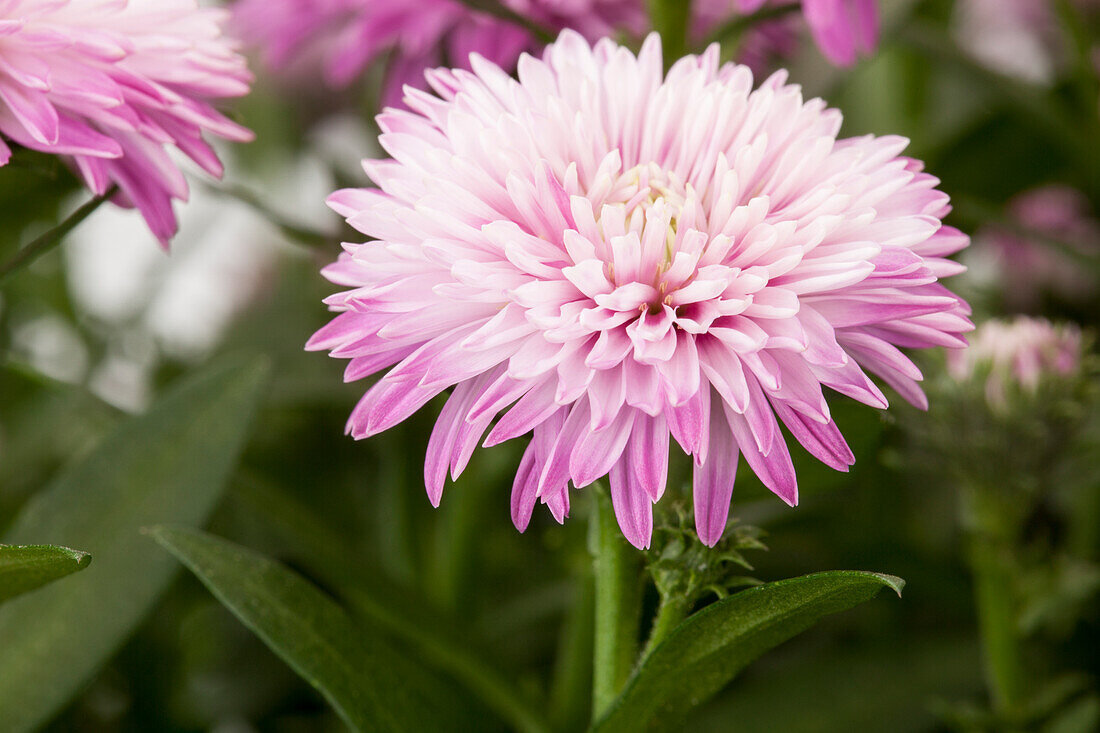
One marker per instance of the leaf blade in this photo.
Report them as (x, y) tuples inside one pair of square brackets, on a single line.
[(708, 649), (368, 682), (168, 464), (24, 568)]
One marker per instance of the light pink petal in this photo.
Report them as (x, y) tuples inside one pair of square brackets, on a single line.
[(712, 482), (633, 509)]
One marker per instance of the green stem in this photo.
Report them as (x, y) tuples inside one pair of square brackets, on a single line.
[(618, 573), (734, 28), (45, 242), (670, 18), (670, 613), (311, 238), (991, 526), (502, 11)]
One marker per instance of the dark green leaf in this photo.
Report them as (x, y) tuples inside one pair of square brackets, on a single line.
[(167, 465), (444, 641), (26, 567), (368, 682), (708, 649)]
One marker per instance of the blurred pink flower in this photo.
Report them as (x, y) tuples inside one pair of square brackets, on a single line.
[(340, 38), (760, 46), (1029, 268), (842, 29), (1019, 38), (622, 272), (1017, 353), (109, 85)]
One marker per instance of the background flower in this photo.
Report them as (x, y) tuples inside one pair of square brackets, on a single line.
[(110, 84), (340, 38), (1028, 263), (571, 241), (842, 29), (1015, 355), (1020, 38)]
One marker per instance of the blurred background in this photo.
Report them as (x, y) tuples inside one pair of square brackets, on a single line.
[(1000, 101)]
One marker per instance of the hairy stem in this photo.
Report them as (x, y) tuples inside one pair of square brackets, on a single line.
[(671, 19), (618, 574), (733, 29), (502, 11), (670, 613), (48, 240), (992, 526)]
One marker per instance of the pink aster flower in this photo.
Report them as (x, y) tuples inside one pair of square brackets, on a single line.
[(1020, 38), (761, 46), (842, 29), (582, 261), (1017, 354), (340, 38), (110, 85)]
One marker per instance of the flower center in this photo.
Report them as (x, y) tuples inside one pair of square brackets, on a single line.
[(644, 187), (641, 215)]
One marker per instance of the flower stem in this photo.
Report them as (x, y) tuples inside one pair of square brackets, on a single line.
[(670, 612), (502, 11), (45, 242), (991, 527), (312, 238), (734, 28), (997, 625), (618, 574), (670, 18)]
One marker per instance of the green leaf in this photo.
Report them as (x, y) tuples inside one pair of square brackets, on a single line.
[(26, 567), (170, 464), (370, 684), (708, 649), (443, 641)]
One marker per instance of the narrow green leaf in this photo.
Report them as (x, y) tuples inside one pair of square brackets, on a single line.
[(370, 684), (443, 641), (708, 649), (27, 567), (167, 465)]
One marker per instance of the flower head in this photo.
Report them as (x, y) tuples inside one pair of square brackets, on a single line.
[(340, 38), (842, 29), (110, 84), (573, 250), (1020, 38), (760, 45), (1017, 355)]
